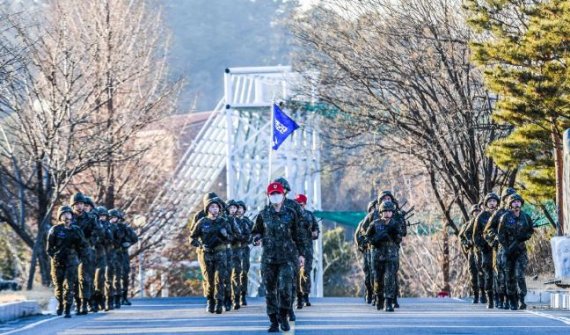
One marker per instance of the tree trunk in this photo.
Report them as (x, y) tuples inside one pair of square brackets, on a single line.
[(445, 262), (559, 168)]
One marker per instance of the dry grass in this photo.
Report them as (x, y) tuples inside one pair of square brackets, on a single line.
[(41, 294)]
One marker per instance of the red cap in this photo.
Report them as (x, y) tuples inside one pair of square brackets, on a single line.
[(275, 188), (301, 198)]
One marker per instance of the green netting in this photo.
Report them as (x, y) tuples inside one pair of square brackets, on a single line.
[(347, 218)]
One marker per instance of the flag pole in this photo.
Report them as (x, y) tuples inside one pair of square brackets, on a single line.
[(270, 141)]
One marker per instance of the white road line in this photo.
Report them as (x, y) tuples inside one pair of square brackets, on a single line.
[(31, 325), (548, 316)]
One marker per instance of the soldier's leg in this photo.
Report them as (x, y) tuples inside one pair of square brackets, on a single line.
[(236, 277), (57, 277), (390, 269), (244, 274), (397, 287), (378, 275), (202, 263), (126, 279), (511, 282), (487, 265), (118, 281), (69, 279), (108, 286), (207, 267), (220, 274), (368, 283), (285, 281), (480, 276), (269, 278), (520, 269), (501, 284), (227, 280), (308, 270), (294, 265), (474, 273)]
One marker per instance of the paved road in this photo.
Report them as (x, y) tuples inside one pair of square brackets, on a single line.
[(328, 316)]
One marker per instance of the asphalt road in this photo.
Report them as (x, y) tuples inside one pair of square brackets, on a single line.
[(328, 316)]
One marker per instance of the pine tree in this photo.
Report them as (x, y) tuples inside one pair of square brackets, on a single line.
[(523, 49)]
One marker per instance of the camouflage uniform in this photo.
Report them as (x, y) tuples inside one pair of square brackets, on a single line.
[(307, 225), (130, 239), (99, 278), (246, 225), (119, 235), (212, 235), (365, 249), (64, 246), (484, 249), (282, 245), (513, 232), (110, 268), (490, 235), (234, 260), (473, 258), (384, 236)]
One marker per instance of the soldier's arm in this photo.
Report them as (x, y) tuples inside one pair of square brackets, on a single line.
[(490, 230), (297, 235), (50, 243), (501, 232), (314, 224), (196, 231), (81, 243), (528, 229)]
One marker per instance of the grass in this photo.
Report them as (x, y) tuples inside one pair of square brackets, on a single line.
[(39, 293)]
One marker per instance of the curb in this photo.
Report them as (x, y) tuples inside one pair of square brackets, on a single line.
[(15, 310)]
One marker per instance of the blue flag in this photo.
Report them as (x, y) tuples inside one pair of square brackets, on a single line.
[(283, 126)]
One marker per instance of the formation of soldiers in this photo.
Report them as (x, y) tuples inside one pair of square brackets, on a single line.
[(494, 242), (378, 238), (222, 234), (88, 249)]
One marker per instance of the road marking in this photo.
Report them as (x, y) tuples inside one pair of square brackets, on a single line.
[(548, 316), (31, 325)]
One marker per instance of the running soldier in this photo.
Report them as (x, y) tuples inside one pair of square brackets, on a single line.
[(366, 250), (309, 229)]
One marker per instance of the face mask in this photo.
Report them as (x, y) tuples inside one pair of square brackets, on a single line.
[(276, 198)]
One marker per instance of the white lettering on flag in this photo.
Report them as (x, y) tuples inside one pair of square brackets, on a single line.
[(280, 127)]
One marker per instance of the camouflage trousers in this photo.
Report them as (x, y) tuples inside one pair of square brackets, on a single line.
[(515, 268), (63, 277), (475, 271), (304, 283), (86, 273), (118, 274), (244, 281), (295, 282), (278, 282), (215, 269), (100, 278), (125, 271), (485, 258), (110, 270), (368, 276), (384, 267), (236, 271), (499, 280), (227, 277)]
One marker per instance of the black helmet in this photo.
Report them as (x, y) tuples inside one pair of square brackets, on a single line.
[(63, 209), (208, 196), (77, 197), (241, 204), (371, 206), (89, 201), (474, 208), (232, 203), (387, 206), (283, 182), (114, 213), (213, 201), (506, 192), (102, 210), (489, 196), (386, 193), (514, 197)]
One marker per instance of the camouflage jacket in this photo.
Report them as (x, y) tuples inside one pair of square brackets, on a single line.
[(66, 245), (212, 233), (513, 232), (90, 227)]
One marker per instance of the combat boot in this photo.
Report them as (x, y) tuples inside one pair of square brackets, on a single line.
[(307, 302), (379, 302), (109, 303), (83, 309), (284, 320), (211, 305), (219, 306), (513, 302), (482, 297), (59, 310), (490, 304), (243, 300), (500, 301), (521, 299), (300, 301), (236, 302), (389, 307), (396, 304), (125, 300), (368, 297), (475, 297), (292, 316), (274, 327), (67, 309), (228, 304)]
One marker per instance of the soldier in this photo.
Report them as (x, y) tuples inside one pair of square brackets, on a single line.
[(65, 244), (129, 239), (276, 228), (119, 234), (365, 249), (101, 262), (292, 204), (309, 229), (515, 228), (211, 233), (466, 235), (490, 235), (384, 236), (398, 216), (247, 225), (234, 266), (86, 271), (110, 268), (490, 204)]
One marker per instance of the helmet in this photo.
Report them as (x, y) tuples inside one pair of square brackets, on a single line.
[(489, 196), (301, 199), (386, 193), (514, 197), (241, 204), (474, 208), (213, 201), (121, 214), (506, 192), (89, 201), (371, 206), (102, 210), (209, 196), (77, 197), (114, 213), (387, 206), (63, 209), (275, 187), (232, 203), (283, 182)]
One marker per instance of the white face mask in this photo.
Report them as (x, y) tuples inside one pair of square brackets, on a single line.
[(276, 198)]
